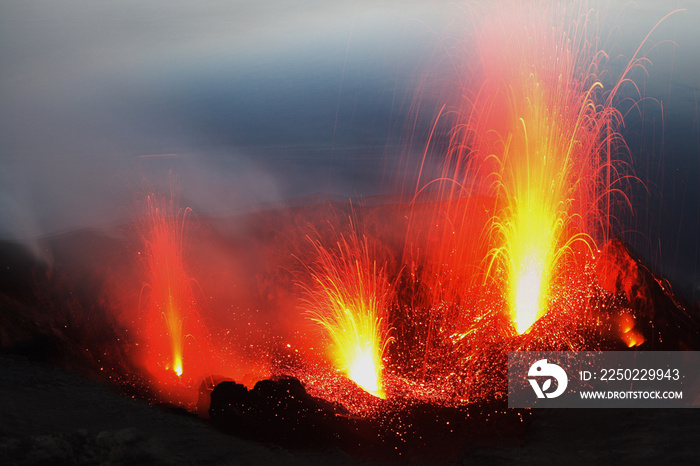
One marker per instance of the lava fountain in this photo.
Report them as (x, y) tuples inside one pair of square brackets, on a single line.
[(171, 298), (349, 298), (541, 129)]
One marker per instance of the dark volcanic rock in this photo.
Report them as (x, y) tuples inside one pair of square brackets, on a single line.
[(666, 323), (274, 410), (126, 446), (19, 270)]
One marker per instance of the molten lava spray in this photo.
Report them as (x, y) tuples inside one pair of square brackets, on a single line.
[(171, 300), (539, 127), (349, 299)]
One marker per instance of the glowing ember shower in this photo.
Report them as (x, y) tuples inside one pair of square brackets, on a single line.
[(540, 124), (169, 287), (349, 298)]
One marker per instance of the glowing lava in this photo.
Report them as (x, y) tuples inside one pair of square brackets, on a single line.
[(171, 296), (349, 298), (528, 295), (540, 127), (365, 369)]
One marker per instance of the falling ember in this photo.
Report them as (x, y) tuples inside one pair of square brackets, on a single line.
[(349, 299), (169, 287)]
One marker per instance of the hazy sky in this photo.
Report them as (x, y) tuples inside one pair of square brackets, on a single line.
[(261, 101), (243, 93)]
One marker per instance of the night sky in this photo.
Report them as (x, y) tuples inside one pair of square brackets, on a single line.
[(253, 102)]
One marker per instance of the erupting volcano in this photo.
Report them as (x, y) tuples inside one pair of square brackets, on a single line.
[(397, 323), (503, 255)]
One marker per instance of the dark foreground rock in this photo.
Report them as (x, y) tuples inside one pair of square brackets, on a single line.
[(126, 446), (274, 410), (282, 412), (52, 417)]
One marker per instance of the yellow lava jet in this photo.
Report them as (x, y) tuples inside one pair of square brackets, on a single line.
[(169, 286), (349, 297), (538, 126), (174, 325), (528, 295), (357, 343)]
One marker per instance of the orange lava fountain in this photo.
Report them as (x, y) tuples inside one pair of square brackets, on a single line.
[(541, 130), (349, 298), (170, 287)]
